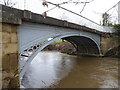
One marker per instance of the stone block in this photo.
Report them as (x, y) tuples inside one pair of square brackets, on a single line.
[(0, 37), (6, 27), (10, 48), (0, 27), (14, 38), (0, 80), (14, 28), (0, 48), (6, 63), (13, 62), (0, 56), (5, 37)]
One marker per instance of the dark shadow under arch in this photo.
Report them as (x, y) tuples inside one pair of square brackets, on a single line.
[(84, 44)]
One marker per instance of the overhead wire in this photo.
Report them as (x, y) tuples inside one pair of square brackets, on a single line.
[(69, 2), (57, 5), (83, 8), (112, 7), (113, 10)]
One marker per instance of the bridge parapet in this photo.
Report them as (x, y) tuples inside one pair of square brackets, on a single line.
[(16, 16)]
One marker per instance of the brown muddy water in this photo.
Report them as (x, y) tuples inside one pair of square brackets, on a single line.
[(57, 70)]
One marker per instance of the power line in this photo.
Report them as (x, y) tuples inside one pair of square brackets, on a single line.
[(112, 7), (57, 5)]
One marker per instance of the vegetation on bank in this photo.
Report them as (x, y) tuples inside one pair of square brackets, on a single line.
[(62, 46), (115, 52), (117, 32)]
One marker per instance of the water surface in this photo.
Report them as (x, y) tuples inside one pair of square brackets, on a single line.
[(57, 70)]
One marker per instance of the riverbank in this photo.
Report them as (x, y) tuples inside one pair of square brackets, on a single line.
[(115, 52), (63, 47)]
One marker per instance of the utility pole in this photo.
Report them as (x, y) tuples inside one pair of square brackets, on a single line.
[(119, 12)]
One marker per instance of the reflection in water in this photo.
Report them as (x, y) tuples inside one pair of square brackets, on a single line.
[(54, 69)]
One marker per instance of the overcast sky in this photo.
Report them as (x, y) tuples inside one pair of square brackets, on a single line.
[(92, 10)]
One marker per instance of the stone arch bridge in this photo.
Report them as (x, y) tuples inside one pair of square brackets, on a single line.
[(24, 34)]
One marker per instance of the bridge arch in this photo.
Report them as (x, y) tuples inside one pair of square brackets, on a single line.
[(69, 37), (77, 40), (33, 34)]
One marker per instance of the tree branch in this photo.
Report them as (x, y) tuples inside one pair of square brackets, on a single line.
[(76, 2), (83, 8), (8, 3), (69, 2)]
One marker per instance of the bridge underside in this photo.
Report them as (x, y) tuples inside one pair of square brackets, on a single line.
[(83, 45), (35, 37)]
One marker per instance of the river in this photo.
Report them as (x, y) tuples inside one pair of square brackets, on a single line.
[(58, 70)]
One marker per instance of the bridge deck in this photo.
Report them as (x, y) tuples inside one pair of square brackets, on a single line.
[(16, 16)]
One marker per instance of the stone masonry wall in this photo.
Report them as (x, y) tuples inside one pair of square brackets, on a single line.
[(107, 43), (10, 76)]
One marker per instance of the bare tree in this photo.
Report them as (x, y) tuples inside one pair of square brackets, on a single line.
[(8, 2)]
